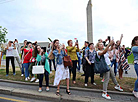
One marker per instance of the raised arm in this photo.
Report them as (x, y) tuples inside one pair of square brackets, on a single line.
[(106, 49), (120, 39)]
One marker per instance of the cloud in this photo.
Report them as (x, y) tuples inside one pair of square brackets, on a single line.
[(66, 19)]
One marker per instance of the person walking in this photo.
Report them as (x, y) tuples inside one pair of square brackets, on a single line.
[(26, 59), (90, 57), (22, 51), (42, 58), (61, 71), (104, 52), (10, 56), (72, 52), (135, 53)]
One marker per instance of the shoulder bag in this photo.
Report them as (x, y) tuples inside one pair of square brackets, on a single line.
[(100, 66)]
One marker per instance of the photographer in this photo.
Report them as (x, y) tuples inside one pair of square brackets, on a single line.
[(72, 52), (61, 72), (10, 56)]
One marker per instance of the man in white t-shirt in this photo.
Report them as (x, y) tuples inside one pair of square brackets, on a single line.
[(10, 56)]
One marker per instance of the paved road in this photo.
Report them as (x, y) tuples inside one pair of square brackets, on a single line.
[(94, 95), (9, 98), (131, 72)]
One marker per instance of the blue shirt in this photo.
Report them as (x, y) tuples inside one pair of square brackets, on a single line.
[(90, 55), (59, 56), (87, 48), (135, 52)]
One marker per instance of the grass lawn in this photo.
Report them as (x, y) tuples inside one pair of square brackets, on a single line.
[(126, 83), (131, 59)]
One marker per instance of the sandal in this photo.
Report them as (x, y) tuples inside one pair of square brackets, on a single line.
[(57, 93), (74, 82), (68, 92)]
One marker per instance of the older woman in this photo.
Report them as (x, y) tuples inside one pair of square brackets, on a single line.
[(72, 52), (90, 57)]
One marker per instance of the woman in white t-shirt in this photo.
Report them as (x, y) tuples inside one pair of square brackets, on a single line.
[(10, 56), (101, 51)]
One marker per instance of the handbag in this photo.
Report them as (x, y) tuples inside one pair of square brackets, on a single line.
[(51, 55), (100, 66), (67, 61), (38, 69)]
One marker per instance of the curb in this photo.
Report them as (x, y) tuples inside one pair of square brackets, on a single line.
[(41, 96), (71, 88)]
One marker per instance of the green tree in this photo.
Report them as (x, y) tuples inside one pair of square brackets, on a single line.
[(3, 33)]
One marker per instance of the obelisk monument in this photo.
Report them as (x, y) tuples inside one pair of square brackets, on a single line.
[(89, 22)]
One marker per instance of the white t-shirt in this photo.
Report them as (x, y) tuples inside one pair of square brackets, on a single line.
[(106, 56), (9, 52)]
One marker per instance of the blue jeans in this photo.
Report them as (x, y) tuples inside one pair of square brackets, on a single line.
[(136, 83), (46, 79), (22, 69), (26, 66), (79, 63), (115, 66)]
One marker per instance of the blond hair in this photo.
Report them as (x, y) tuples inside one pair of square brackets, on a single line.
[(97, 45)]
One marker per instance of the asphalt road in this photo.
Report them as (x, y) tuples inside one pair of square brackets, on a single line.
[(9, 98), (95, 95)]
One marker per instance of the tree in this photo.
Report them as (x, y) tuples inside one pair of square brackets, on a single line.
[(3, 33)]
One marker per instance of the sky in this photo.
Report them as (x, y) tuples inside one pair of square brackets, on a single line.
[(66, 19)]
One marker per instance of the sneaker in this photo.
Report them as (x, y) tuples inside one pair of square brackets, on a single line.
[(135, 94), (37, 80), (40, 90), (86, 85), (26, 79), (22, 75), (102, 80), (7, 75), (33, 79), (117, 87), (14, 74), (106, 96), (94, 84), (47, 89)]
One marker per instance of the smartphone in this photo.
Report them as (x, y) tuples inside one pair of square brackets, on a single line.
[(112, 38), (109, 38)]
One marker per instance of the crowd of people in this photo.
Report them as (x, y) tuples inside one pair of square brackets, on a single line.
[(109, 51)]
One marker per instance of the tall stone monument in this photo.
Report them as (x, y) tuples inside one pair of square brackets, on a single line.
[(89, 22)]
